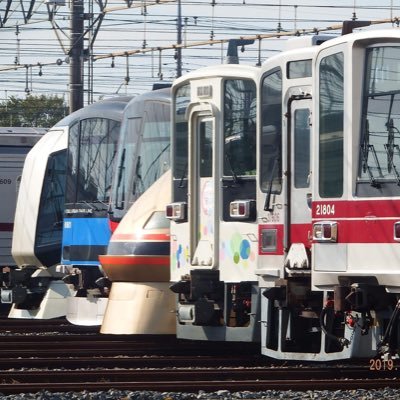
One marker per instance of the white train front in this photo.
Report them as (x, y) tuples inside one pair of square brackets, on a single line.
[(285, 213)]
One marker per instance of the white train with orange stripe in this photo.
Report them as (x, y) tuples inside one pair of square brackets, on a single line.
[(137, 263), (137, 259), (285, 211)]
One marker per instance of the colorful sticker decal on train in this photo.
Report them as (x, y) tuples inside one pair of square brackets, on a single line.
[(207, 208), (180, 255), (238, 250)]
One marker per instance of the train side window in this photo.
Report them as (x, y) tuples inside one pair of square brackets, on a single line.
[(205, 148), (73, 163), (331, 114), (180, 133), (271, 139), (301, 148)]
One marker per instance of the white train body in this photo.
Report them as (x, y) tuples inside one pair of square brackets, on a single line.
[(216, 250), (30, 233), (15, 143), (36, 288), (293, 239)]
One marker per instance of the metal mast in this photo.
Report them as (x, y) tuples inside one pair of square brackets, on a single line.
[(76, 56)]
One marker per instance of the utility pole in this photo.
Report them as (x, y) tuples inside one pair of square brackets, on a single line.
[(179, 41), (76, 56)]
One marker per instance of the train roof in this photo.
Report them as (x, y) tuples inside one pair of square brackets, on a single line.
[(111, 108), (240, 70), (20, 136), (372, 35), (136, 106), (22, 130)]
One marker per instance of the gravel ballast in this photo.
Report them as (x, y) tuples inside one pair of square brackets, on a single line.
[(360, 394)]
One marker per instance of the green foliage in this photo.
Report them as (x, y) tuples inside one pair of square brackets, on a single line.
[(33, 111)]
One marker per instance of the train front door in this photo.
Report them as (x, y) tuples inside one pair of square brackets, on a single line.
[(203, 195), (299, 231)]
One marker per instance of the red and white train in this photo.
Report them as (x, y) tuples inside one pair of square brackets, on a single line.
[(285, 211)]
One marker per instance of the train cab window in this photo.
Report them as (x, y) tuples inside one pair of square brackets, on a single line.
[(331, 114), (180, 133), (239, 127), (157, 220), (92, 150), (301, 148), (380, 133), (125, 168), (154, 152), (299, 69), (271, 136)]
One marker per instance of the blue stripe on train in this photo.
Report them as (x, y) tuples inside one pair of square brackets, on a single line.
[(84, 239)]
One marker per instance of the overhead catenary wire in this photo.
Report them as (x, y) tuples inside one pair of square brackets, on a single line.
[(250, 37), (158, 29)]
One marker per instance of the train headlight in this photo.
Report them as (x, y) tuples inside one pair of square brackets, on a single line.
[(242, 209), (325, 231), (176, 211), (396, 232)]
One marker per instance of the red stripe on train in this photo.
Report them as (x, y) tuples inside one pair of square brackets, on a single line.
[(132, 237), (356, 209), (353, 231), (134, 260)]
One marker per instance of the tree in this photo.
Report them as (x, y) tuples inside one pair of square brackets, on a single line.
[(33, 111)]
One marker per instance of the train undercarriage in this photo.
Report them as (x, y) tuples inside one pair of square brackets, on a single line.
[(357, 319)]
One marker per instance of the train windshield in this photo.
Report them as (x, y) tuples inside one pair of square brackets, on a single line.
[(380, 136), (144, 155), (239, 127), (92, 149), (51, 209), (154, 154), (271, 137)]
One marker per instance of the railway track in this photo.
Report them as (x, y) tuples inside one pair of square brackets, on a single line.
[(50, 326), (62, 362), (194, 379)]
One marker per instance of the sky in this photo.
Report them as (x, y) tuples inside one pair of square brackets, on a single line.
[(34, 52)]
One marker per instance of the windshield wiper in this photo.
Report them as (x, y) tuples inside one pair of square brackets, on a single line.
[(390, 153), (183, 176), (234, 176), (119, 204), (390, 150), (365, 149), (268, 198), (101, 202)]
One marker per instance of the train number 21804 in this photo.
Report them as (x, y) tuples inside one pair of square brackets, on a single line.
[(325, 209)]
